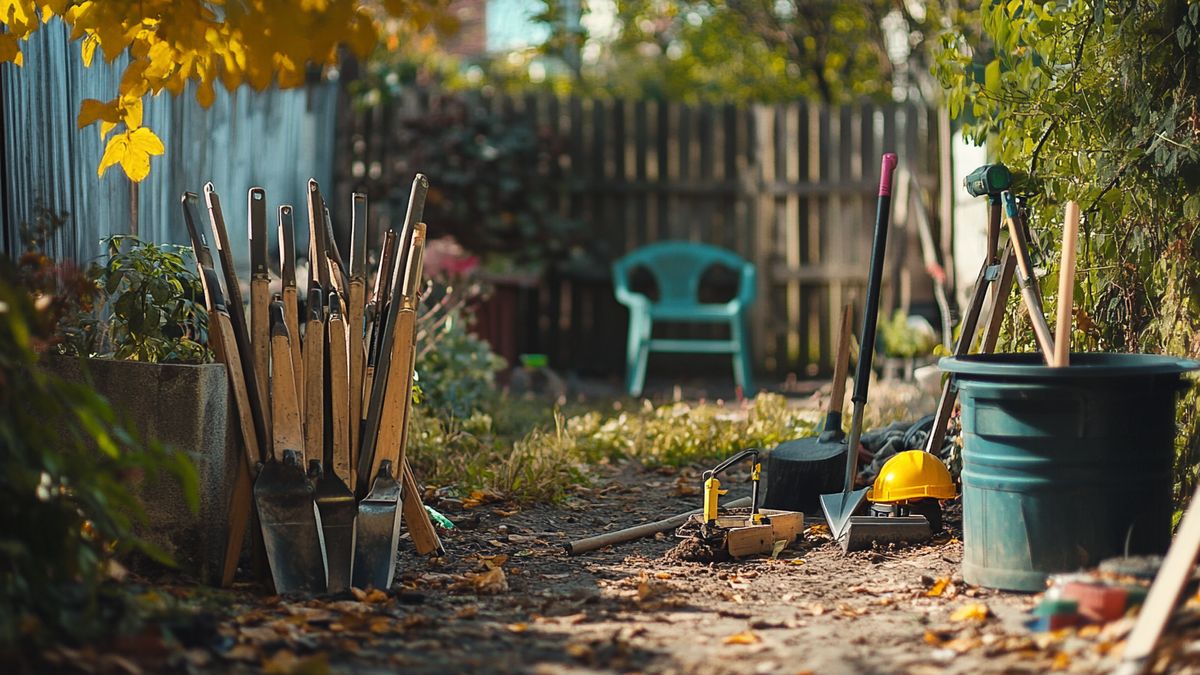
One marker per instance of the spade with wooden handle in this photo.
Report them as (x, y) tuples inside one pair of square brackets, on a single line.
[(380, 522), (290, 520), (224, 345), (334, 499), (290, 294)]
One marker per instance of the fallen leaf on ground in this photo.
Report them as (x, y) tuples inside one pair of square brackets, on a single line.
[(972, 611), (743, 638), (372, 596), (493, 561), (491, 581), (778, 547), (519, 627), (938, 588), (1062, 661)]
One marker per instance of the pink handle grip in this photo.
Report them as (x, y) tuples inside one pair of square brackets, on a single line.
[(885, 173)]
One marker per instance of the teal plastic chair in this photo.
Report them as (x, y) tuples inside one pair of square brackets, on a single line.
[(677, 267)]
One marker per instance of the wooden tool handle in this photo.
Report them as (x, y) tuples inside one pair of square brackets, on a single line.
[(416, 518), (285, 412), (260, 342), (1066, 287), (398, 388), (339, 387), (842, 365), (314, 380), (291, 319)]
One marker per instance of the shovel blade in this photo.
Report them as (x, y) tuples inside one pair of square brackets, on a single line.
[(378, 532), (864, 531), (291, 527), (338, 511), (840, 507)]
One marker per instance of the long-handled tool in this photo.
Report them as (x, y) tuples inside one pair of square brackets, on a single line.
[(380, 522), (224, 344), (839, 507), (291, 523), (800, 470), (237, 315), (260, 292), (355, 310), (290, 295), (334, 499)]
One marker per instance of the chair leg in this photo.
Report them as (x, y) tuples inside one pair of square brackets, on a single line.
[(742, 371), (638, 379), (635, 367)]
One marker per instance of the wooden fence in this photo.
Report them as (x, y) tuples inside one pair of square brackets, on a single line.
[(790, 187)]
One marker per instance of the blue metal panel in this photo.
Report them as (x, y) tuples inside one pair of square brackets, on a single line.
[(275, 139)]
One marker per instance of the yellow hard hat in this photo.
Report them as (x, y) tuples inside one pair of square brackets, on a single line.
[(912, 474)]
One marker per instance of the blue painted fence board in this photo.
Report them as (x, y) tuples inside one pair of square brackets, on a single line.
[(275, 139)]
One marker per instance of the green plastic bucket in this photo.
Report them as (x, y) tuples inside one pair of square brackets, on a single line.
[(1063, 467)]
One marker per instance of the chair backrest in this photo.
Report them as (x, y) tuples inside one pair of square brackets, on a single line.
[(677, 267)]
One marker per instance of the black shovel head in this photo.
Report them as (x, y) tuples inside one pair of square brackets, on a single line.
[(839, 507), (378, 532), (291, 526), (801, 470), (862, 532), (338, 511)]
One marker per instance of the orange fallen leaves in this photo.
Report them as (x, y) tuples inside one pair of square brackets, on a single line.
[(938, 588), (743, 638), (972, 611)]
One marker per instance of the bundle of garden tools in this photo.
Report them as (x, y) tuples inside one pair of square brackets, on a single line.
[(323, 396)]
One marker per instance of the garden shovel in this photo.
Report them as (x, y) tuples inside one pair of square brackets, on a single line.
[(290, 521), (802, 469), (334, 499), (379, 520), (839, 507)]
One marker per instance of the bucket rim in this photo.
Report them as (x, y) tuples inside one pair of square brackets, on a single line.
[(1083, 365)]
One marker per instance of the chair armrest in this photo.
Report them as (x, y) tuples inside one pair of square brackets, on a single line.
[(625, 296), (748, 286)]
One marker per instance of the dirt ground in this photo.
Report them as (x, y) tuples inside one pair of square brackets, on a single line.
[(630, 609), (507, 598)]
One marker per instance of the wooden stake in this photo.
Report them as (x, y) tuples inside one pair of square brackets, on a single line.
[(1066, 287)]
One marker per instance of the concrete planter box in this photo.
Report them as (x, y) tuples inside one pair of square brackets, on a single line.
[(185, 407)]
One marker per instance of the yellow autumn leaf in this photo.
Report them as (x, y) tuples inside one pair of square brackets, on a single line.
[(743, 638), (974, 611), (938, 588), (205, 94), (94, 109), (106, 128), (10, 50), (132, 150), (87, 50), (132, 108)]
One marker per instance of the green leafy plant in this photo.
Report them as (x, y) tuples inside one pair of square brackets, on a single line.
[(156, 302), (66, 463), (1099, 102), (456, 369), (901, 339)]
